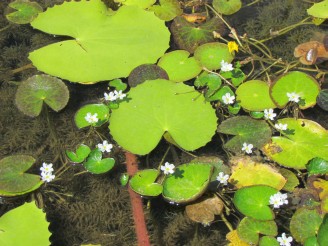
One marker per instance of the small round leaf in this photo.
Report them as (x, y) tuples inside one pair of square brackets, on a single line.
[(227, 7), (101, 110), (146, 72), (26, 11), (82, 152), (143, 183), (95, 164)]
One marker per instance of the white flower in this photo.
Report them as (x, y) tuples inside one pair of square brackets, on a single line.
[(278, 200), (119, 94), (105, 146), (223, 179), (284, 241), (110, 96), (281, 127), (293, 97), (268, 114), (46, 168), (226, 67), (47, 176), (247, 148), (168, 168), (228, 99), (91, 118)]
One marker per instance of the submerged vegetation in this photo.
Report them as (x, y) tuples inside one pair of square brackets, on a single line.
[(228, 151)]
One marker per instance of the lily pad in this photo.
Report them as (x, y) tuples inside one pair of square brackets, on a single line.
[(143, 183), (167, 10), (305, 140), (317, 166), (319, 10), (13, 180), (218, 94), (322, 99), (146, 72), (104, 46), (26, 11), (118, 84), (227, 7), (216, 162), (179, 66), (159, 106), (82, 152), (268, 241), (237, 76), (292, 180), (254, 95), (210, 55), (249, 229), (298, 82), (37, 89), (253, 201), (101, 110), (188, 182), (140, 3), (322, 233), (25, 225), (234, 239), (246, 130), (311, 241), (304, 224), (95, 164)]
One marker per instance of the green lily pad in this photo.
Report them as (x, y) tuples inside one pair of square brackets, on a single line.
[(210, 55), (189, 36), (143, 183), (311, 241), (118, 84), (249, 229), (216, 162), (104, 46), (13, 180), (237, 76), (124, 179), (212, 82), (146, 72), (304, 224), (268, 241), (254, 95), (26, 11), (317, 166), (167, 10), (95, 164), (319, 10), (298, 82), (179, 66), (82, 152), (25, 225), (322, 233), (234, 109), (140, 3), (101, 110), (227, 7), (304, 141), (217, 95), (37, 89), (256, 114), (159, 106), (187, 183), (292, 180), (253, 201), (322, 99), (246, 130)]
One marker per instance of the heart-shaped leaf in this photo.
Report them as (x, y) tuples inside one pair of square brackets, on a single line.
[(292, 180), (253, 201), (187, 183), (319, 10), (13, 179), (105, 46), (95, 164), (167, 10), (146, 72), (227, 7), (101, 110), (322, 233), (143, 182), (268, 241), (37, 89), (118, 84), (82, 152), (26, 11), (159, 106)]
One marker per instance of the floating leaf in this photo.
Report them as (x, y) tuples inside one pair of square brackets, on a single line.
[(25, 225), (212, 82), (317, 166), (179, 66), (95, 164), (256, 114), (298, 82), (234, 239), (319, 10), (216, 162), (253, 201), (204, 212), (37, 89), (311, 241), (210, 55), (189, 36), (140, 3), (249, 229), (322, 233), (322, 99), (101, 110), (292, 180), (26, 11), (234, 109), (305, 140), (159, 106), (311, 52), (254, 95), (218, 94), (104, 46), (118, 84), (268, 241), (304, 224), (246, 130), (188, 182), (82, 152), (227, 7), (124, 179), (146, 72), (143, 183), (13, 179), (322, 188), (237, 76), (246, 172), (167, 10)]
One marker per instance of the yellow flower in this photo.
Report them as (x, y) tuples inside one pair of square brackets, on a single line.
[(232, 45)]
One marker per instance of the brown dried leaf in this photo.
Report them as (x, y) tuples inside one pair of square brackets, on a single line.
[(235, 239), (311, 52)]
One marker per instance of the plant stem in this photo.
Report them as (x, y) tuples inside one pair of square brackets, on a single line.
[(136, 203), (20, 69)]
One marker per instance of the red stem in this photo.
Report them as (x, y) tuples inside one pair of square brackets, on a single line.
[(136, 203)]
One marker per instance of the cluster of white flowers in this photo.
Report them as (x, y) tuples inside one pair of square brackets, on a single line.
[(281, 127), (223, 178), (46, 172), (293, 97), (168, 168), (247, 148), (91, 118), (278, 200), (105, 146), (225, 66), (114, 95), (228, 99), (269, 114), (284, 241)]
